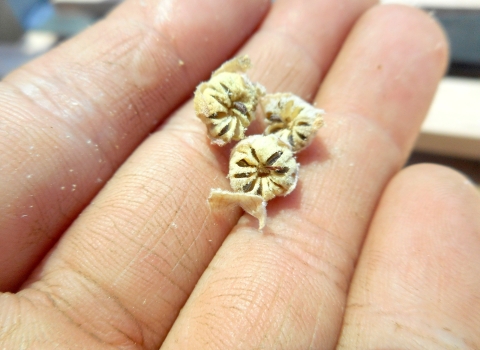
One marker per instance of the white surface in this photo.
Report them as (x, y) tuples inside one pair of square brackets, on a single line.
[(438, 3), (452, 126)]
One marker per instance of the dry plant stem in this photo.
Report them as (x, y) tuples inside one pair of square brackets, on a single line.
[(292, 119), (227, 102)]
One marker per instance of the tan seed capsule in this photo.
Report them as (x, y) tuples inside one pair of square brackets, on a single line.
[(227, 102), (291, 119), (264, 166)]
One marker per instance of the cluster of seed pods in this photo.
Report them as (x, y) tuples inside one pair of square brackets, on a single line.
[(263, 166)]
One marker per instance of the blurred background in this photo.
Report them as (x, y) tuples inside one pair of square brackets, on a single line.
[(450, 134)]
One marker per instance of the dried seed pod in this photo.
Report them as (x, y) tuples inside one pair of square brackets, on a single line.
[(264, 166), (292, 119), (227, 102)]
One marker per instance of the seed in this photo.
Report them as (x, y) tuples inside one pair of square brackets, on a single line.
[(272, 163), (292, 119), (228, 92)]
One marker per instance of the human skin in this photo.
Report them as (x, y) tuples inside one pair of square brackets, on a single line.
[(105, 233)]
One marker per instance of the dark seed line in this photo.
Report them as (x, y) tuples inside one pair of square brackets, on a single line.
[(243, 163), (248, 187), (274, 157), (282, 170), (260, 189), (278, 185), (224, 130), (275, 130), (220, 102), (227, 90), (254, 154), (241, 107), (242, 175), (303, 124), (303, 137), (290, 139), (274, 118)]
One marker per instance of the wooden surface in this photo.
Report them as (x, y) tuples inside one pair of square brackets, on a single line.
[(438, 3), (452, 127)]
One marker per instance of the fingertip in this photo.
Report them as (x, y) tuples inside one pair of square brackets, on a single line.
[(438, 181), (424, 23), (418, 271), (388, 71)]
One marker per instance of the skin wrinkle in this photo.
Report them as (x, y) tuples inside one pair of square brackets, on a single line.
[(48, 292), (169, 228), (284, 242), (160, 240), (278, 288), (140, 340), (46, 96), (37, 134), (277, 341), (51, 297), (15, 325), (265, 307)]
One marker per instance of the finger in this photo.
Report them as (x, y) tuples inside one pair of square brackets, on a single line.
[(417, 283), (144, 242), (287, 287), (71, 117), (293, 45)]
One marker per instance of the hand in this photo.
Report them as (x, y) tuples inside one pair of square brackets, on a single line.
[(114, 223)]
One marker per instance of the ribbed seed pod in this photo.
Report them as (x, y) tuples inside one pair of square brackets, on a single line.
[(292, 119), (264, 166), (227, 102)]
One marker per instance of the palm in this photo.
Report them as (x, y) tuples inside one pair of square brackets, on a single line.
[(147, 245)]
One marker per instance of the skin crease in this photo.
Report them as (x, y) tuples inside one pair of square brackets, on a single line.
[(140, 262)]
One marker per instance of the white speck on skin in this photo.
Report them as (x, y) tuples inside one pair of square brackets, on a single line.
[(24, 215), (89, 142), (181, 63), (174, 225), (71, 170), (130, 106), (62, 188), (99, 180), (29, 176)]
